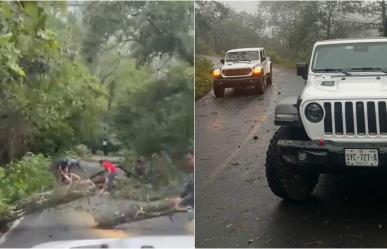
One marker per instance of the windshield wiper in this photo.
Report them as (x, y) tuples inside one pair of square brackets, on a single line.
[(367, 69), (338, 70)]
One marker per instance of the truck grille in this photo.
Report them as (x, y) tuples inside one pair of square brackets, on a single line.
[(361, 118), (237, 72)]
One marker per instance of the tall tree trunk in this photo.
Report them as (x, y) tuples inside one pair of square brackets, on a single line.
[(384, 19), (329, 21)]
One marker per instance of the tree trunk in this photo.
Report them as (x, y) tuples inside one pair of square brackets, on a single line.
[(45, 200), (384, 19), (329, 21), (107, 211)]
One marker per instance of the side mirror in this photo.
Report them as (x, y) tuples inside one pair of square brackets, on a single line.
[(222, 61), (302, 70), (263, 58)]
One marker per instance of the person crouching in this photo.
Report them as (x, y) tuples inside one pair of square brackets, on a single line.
[(111, 173)]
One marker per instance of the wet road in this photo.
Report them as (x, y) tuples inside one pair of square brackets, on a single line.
[(234, 205)]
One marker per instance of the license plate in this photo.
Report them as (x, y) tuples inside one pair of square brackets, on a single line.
[(361, 157)]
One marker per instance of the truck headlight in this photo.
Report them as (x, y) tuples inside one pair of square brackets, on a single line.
[(216, 73), (257, 71), (314, 112)]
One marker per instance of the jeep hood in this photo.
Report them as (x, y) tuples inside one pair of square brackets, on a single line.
[(343, 87), (244, 64)]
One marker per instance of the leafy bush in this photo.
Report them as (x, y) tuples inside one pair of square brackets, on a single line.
[(79, 150), (99, 153), (20, 179), (203, 80)]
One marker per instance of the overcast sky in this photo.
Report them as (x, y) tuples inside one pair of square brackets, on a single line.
[(247, 6)]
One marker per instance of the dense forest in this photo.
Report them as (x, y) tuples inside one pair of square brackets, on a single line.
[(75, 74), (287, 29), (80, 73)]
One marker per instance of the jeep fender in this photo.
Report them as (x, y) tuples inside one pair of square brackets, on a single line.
[(270, 65), (286, 112)]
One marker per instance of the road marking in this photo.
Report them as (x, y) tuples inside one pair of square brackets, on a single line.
[(4, 237)]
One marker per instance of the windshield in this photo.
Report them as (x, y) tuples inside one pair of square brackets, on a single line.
[(242, 56), (356, 57)]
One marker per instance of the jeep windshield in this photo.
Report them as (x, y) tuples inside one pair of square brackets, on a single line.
[(350, 57), (242, 56)]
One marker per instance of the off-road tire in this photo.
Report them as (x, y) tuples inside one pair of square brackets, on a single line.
[(218, 91), (260, 86), (283, 178), (269, 80)]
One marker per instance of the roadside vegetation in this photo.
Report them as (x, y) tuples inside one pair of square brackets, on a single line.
[(203, 78), (74, 74)]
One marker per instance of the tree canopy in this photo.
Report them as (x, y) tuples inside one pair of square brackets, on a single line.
[(82, 72)]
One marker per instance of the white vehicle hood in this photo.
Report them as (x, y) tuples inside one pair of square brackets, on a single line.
[(236, 65), (344, 87), (137, 242)]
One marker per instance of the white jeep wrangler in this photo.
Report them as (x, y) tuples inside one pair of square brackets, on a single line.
[(338, 123), (242, 68)]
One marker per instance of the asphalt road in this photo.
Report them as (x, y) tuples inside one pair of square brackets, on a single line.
[(234, 205)]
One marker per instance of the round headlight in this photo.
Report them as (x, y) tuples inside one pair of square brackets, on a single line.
[(314, 112)]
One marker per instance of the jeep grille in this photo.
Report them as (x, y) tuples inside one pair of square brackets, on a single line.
[(361, 118), (237, 72)]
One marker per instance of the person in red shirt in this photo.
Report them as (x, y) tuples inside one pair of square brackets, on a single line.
[(111, 171)]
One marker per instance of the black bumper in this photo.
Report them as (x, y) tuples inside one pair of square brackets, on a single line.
[(329, 157), (238, 82)]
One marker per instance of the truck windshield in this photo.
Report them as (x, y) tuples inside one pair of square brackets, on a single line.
[(350, 57), (242, 56)]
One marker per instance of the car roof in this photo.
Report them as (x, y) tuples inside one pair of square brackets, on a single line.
[(245, 49), (351, 40)]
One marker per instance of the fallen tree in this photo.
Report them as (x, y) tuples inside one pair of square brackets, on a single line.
[(106, 210)]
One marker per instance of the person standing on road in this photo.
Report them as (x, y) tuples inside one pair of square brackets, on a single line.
[(104, 147), (111, 171)]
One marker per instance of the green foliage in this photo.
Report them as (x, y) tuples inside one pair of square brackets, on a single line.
[(48, 99), (143, 54), (79, 151), (21, 179), (158, 115), (151, 29), (203, 79)]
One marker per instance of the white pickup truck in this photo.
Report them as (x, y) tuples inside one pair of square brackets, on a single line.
[(339, 121), (242, 68)]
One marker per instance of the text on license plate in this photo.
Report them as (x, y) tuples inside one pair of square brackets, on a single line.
[(361, 157)]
